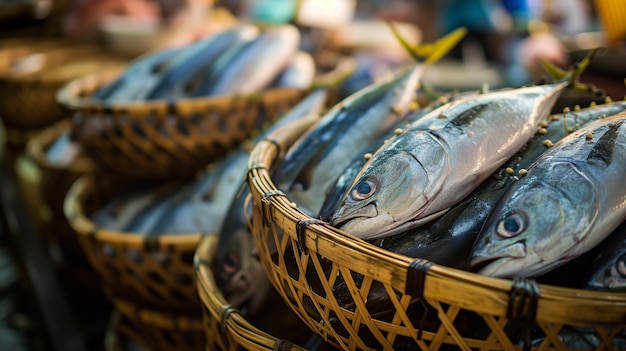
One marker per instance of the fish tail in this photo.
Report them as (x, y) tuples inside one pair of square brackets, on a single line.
[(572, 76), (430, 52)]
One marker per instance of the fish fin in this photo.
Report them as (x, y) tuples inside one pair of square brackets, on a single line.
[(430, 52), (343, 70), (604, 148), (559, 75)]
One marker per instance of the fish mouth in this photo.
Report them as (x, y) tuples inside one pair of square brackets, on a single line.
[(503, 264), (341, 220)]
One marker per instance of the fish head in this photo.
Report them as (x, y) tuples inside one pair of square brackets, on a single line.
[(538, 224), (386, 192), (611, 276), (240, 274)]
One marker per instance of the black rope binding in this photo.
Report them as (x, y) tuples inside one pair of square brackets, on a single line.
[(282, 345), (522, 308), (301, 231), (415, 279), (265, 202)]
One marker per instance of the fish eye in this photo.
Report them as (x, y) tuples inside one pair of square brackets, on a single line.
[(511, 224), (363, 189), (620, 265), (231, 264)]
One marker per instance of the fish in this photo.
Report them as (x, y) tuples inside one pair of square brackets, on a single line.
[(256, 65), (312, 165), (435, 162), (63, 150), (569, 201), (200, 206), (333, 196), (139, 77), (238, 274), (119, 212), (299, 73), (608, 268), (176, 80)]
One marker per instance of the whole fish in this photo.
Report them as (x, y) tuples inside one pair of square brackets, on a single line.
[(139, 77), (238, 274), (315, 161), (257, 64), (334, 194), (569, 201), (313, 164), (176, 80), (609, 266), (438, 160)]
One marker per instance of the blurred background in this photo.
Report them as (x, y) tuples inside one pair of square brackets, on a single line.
[(505, 41), (505, 38)]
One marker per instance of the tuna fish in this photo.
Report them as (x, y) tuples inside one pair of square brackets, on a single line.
[(570, 200), (441, 158)]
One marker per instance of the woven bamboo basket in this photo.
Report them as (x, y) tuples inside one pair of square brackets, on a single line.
[(431, 307), (150, 272), (224, 327), (153, 330), (29, 96), (54, 183), (159, 139)]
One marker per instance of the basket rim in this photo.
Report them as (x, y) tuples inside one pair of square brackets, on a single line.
[(214, 300), (325, 240), (65, 49), (37, 145), (68, 95), (83, 226)]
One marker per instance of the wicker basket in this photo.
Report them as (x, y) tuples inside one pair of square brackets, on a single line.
[(152, 329), (55, 182), (224, 327), (29, 99), (150, 272), (431, 307), (157, 139)]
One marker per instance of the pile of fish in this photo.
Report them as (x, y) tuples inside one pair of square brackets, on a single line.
[(240, 60), (497, 182)]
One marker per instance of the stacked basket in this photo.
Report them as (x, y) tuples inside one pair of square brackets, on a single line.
[(431, 307), (150, 280), (31, 72)]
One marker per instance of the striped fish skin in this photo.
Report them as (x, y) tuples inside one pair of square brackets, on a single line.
[(438, 160), (570, 200)]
